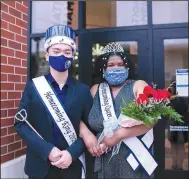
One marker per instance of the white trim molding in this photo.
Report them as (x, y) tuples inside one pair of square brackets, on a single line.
[(14, 168)]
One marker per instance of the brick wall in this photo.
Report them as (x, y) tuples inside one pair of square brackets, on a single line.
[(13, 73)]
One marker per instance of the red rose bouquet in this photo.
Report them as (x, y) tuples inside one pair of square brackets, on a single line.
[(148, 108)]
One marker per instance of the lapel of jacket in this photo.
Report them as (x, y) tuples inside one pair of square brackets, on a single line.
[(69, 98), (71, 92)]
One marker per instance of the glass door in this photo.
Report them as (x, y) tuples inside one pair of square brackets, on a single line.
[(90, 46), (171, 70), (92, 43)]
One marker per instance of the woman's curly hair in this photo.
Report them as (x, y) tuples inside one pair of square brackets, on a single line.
[(102, 60)]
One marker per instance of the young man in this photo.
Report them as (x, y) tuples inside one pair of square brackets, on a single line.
[(55, 104)]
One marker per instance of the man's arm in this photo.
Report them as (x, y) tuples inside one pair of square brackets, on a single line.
[(41, 147), (78, 147), (87, 106)]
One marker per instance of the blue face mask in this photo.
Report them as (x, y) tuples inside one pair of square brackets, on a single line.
[(116, 76), (60, 63)]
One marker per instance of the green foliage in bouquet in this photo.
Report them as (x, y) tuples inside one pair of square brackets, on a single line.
[(150, 106)]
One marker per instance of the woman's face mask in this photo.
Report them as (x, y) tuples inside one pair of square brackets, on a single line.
[(116, 75), (116, 72)]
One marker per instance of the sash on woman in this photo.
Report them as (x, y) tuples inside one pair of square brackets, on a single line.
[(140, 154), (58, 114)]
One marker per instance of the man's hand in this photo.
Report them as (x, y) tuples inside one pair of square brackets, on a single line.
[(65, 160), (55, 154)]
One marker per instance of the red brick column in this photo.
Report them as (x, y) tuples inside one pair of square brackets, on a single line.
[(13, 73)]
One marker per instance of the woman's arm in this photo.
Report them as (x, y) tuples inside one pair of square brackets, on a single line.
[(90, 140), (83, 130), (133, 131), (94, 90), (124, 133), (139, 87), (138, 130)]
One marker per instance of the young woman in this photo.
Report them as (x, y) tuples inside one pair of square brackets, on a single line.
[(117, 72)]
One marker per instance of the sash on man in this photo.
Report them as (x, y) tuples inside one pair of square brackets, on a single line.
[(61, 119)]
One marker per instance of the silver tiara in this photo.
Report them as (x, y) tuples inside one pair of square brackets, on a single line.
[(112, 47)]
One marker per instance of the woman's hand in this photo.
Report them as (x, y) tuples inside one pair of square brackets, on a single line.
[(92, 145), (115, 139), (90, 140)]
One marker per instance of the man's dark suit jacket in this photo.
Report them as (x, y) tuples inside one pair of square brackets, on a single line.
[(78, 105)]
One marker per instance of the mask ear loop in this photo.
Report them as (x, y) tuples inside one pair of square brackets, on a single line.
[(126, 66), (47, 59), (103, 72)]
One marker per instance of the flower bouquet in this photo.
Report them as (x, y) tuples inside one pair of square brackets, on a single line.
[(148, 108)]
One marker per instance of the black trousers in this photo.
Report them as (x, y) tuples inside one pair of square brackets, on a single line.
[(74, 171), (90, 166)]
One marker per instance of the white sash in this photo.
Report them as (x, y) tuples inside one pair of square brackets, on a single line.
[(147, 139), (58, 113), (107, 106), (136, 146)]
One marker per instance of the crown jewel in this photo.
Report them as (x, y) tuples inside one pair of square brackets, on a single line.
[(112, 47)]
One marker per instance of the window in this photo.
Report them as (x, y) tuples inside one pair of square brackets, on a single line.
[(176, 134), (115, 13), (165, 12), (48, 13)]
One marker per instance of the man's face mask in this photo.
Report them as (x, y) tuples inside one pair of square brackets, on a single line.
[(60, 63)]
